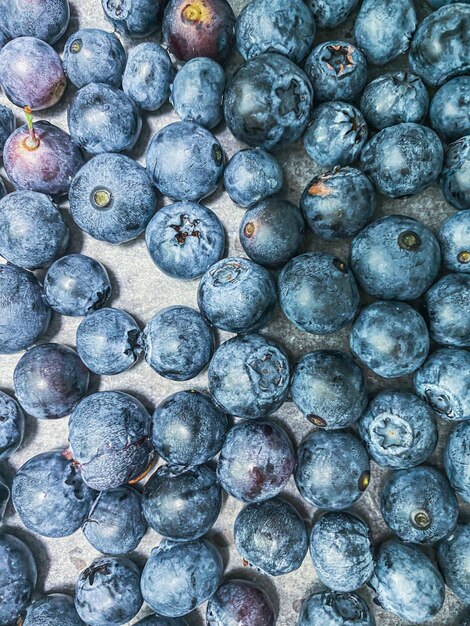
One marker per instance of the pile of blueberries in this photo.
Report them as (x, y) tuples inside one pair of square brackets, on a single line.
[(414, 286)]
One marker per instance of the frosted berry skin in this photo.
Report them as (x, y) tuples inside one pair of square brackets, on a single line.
[(249, 376), (108, 591), (443, 381), (407, 583), (454, 179), (32, 230), (331, 13), (52, 609), (399, 430), (456, 463), (337, 71), (278, 111), (331, 608), (447, 305), (112, 198), (49, 380), (44, 19), (24, 311), (417, 159), (454, 237), (192, 571), (199, 28), (329, 389), (390, 338), (271, 536), (265, 26), (251, 176), (439, 49), (109, 435), (341, 551), (318, 293), (256, 461), (449, 112), (185, 161), (12, 424), (50, 496), (395, 258), (419, 505), (333, 469), (338, 203), (178, 343), (21, 60), (7, 124), (185, 239), (47, 168), (395, 98), (18, 577), (157, 620), (383, 30), (133, 18), (452, 555), (148, 76), (237, 600)]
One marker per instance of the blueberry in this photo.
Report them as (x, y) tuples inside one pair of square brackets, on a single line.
[(42, 159), (23, 58), (336, 134), (271, 231), (274, 26), (329, 389), (24, 312), (341, 551), (333, 469), (249, 376), (448, 308), (92, 55), (383, 30), (278, 110), (237, 600), (53, 609), (456, 462), (395, 258), (454, 180), (338, 203), (115, 523), (50, 496), (454, 237), (178, 343), (148, 76), (3, 39), (453, 556), (49, 380), (398, 429), (191, 572), (11, 426), (7, 124), (185, 239), (44, 19), (252, 175), (331, 13), (103, 119), (199, 28), (4, 496), (185, 161), (108, 591), (76, 285), (390, 338), (417, 159), (156, 620), (109, 435), (418, 504), (32, 231), (197, 92), (237, 295), (395, 98), (444, 382), (330, 608), (271, 536), (112, 198), (182, 503), (3, 190), (188, 428), (406, 582), (18, 577), (439, 49), (318, 293), (108, 341), (449, 113), (133, 18), (256, 461), (337, 70)]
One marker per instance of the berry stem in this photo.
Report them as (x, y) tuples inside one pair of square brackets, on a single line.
[(32, 142)]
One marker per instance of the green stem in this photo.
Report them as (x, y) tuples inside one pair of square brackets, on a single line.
[(32, 142)]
